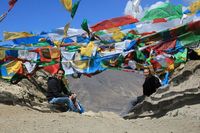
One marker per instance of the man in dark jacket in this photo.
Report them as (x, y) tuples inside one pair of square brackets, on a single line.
[(151, 83), (57, 93), (56, 87)]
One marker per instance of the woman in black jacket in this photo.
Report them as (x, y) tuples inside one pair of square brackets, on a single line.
[(151, 83)]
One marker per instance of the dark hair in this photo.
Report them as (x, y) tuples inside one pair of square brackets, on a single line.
[(60, 69)]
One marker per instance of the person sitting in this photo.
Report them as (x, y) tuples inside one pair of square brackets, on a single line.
[(57, 93), (151, 83)]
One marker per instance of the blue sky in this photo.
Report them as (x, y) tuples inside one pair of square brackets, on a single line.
[(45, 15)]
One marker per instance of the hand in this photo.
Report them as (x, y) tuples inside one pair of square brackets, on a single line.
[(72, 96)]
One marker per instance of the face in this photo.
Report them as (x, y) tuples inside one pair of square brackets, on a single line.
[(146, 72), (60, 74)]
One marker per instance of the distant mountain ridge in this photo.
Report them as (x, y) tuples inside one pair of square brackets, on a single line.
[(107, 91)]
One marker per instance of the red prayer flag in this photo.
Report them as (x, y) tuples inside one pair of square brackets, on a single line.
[(11, 4), (114, 22), (52, 69), (159, 20)]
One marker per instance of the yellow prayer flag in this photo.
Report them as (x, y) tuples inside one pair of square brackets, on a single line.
[(67, 4), (81, 64), (170, 67), (15, 35), (118, 36), (55, 53), (57, 43), (66, 29), (13, 66), (88, 50), (2, 54), (195, 6), (197, 51), (111, 30)]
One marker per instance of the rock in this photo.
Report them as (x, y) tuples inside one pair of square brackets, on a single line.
[(175, 113), (186, 92)]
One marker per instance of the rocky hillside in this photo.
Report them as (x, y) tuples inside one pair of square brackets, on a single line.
[(112, 91), (107, 91), (184, 89)]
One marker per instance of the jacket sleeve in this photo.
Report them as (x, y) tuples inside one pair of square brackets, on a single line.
[(65, 89), (157, 82)]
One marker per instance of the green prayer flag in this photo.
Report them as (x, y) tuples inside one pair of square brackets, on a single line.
[(43, 64), (99, 33), (72, 48), (74, 8), (120, 60), (165, 10), (189, 38), (132, 36), (41, 44), (180, 57), (84, 26), (140, 56)]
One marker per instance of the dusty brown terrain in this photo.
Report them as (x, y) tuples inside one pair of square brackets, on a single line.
[(16, 119)]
